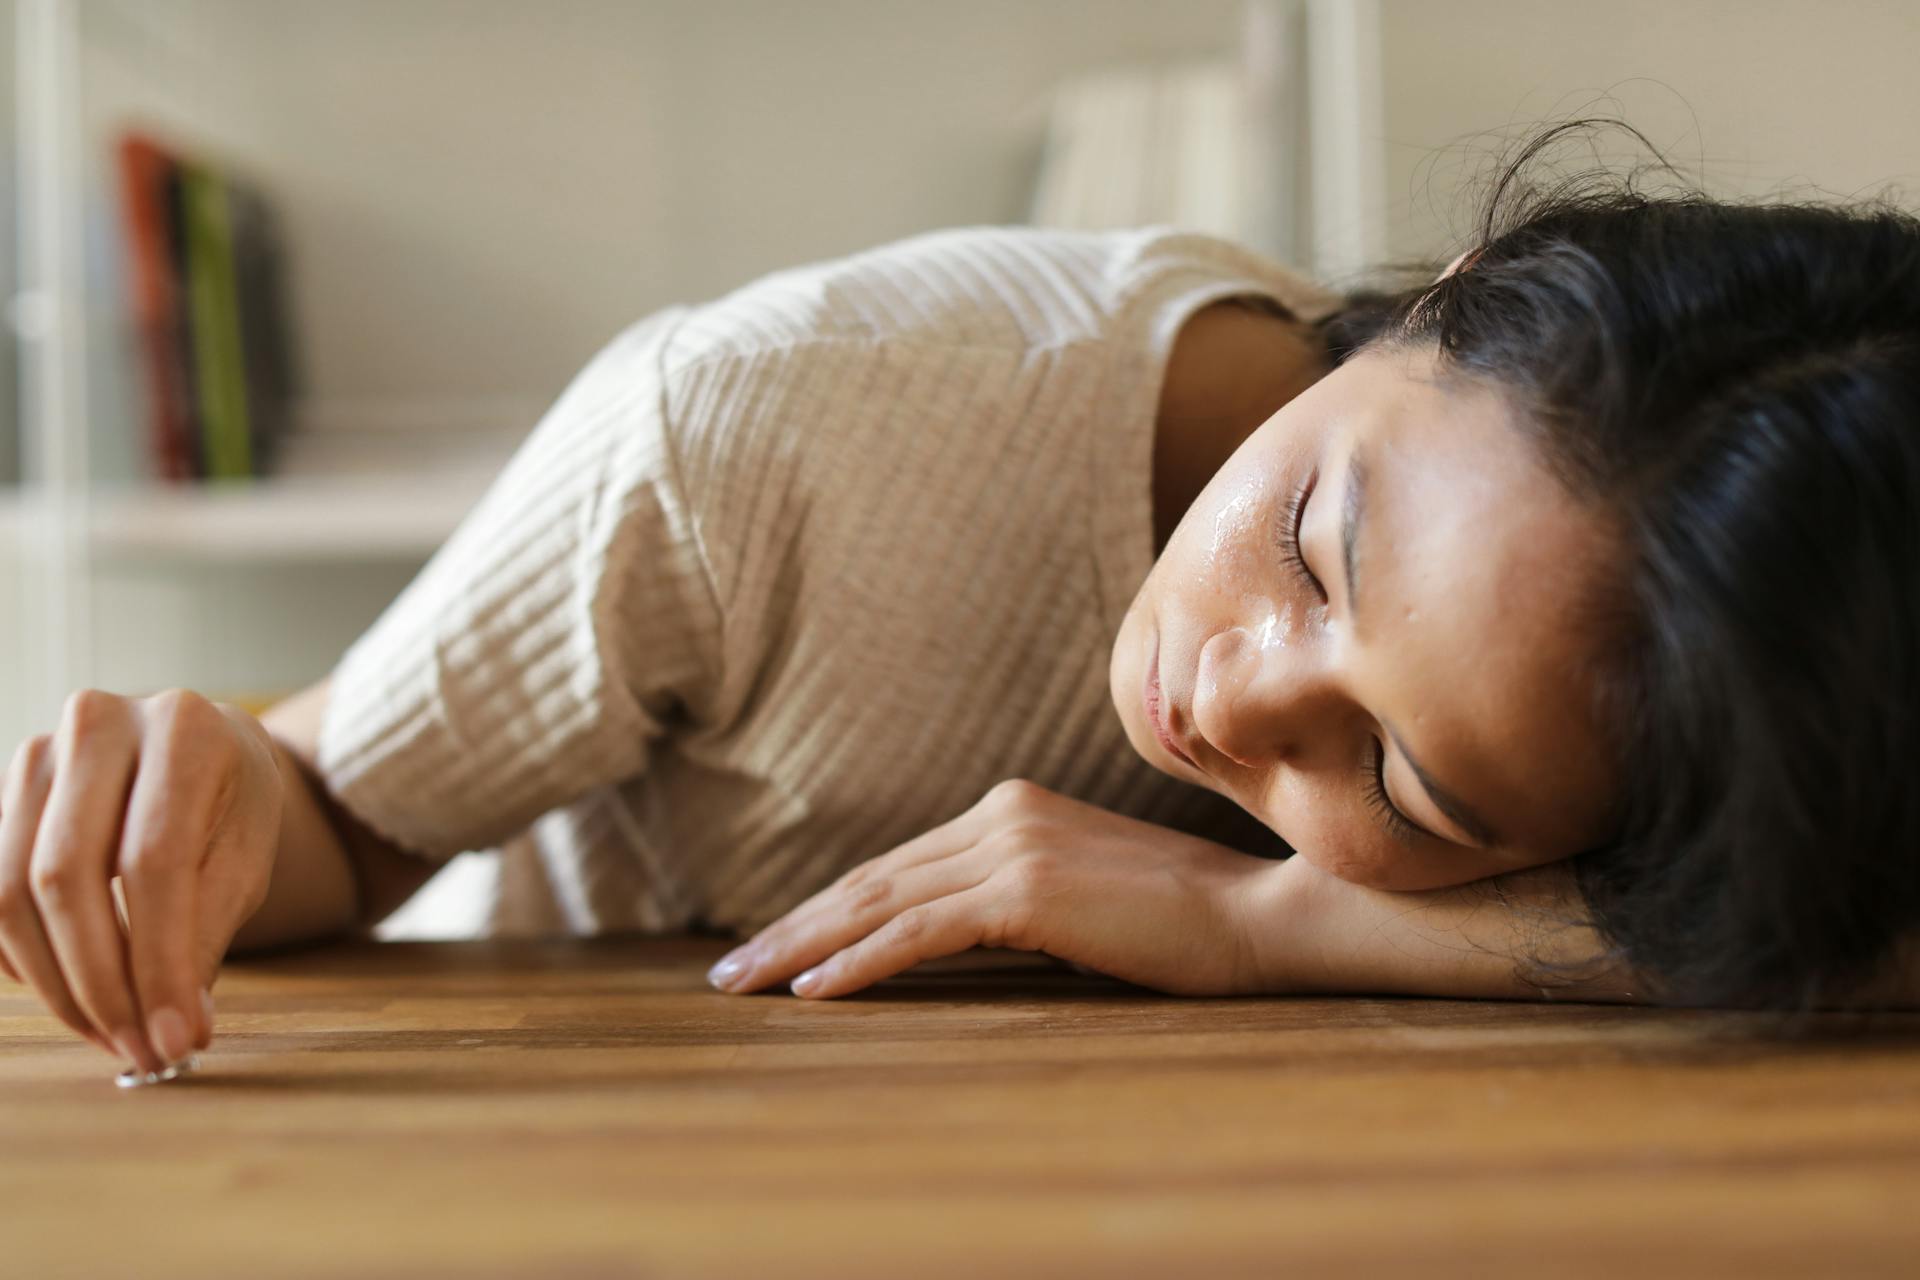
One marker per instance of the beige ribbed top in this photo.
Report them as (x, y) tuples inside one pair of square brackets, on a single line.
[(783, 580)]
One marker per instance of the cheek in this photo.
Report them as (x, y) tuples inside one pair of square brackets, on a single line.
[(1375, 862), (1311, 822), (1225, 564), (1235, 536), (1354, 865), (1337, 836)]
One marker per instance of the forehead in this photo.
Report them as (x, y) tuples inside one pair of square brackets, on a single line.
[(1476, 567)]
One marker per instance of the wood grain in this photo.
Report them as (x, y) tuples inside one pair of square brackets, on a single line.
[(587, 1109)]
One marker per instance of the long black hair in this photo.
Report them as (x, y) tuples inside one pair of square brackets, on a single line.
[(1738, 384)]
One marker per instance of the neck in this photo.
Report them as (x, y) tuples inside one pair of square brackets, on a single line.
[(1232, 368)]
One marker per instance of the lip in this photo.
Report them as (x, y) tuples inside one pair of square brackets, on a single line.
[(1155, 701)]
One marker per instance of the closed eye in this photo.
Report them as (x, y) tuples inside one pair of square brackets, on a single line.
[(1290, 535), (1374, 780)]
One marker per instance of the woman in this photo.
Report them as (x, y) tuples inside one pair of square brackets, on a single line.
[(1557, 612)]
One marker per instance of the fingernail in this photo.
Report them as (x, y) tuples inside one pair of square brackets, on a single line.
[(730, 967), (172, 1039), (127, 1041), (807, 982), (206, 1007)]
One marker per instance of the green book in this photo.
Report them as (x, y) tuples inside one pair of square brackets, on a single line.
[(213, 306)]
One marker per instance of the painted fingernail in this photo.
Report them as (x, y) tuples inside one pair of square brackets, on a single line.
[(168, 1030), (807, 981), (127, 1041), (729, 968)]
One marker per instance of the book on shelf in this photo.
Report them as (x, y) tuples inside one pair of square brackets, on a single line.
[(146, 176), (209, 313), (1161, 143)]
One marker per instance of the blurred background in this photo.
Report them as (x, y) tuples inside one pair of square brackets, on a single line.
[(287, 281)]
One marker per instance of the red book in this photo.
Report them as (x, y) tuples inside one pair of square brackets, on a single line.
[(146, 173)]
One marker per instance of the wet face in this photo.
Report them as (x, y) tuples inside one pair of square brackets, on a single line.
[(1407, 702)]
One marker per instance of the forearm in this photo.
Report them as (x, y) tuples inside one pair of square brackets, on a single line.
[(1520, 936), (1487, 940), (331, 874), (313, 893)]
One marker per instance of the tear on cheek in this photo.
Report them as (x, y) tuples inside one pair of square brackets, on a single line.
[(1276, 630)]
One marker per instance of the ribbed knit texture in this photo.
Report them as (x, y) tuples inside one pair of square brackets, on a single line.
[(784, 580)]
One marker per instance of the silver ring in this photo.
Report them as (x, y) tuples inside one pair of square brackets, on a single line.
[(133, 1078)]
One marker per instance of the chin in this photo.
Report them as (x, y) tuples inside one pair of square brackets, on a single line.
[(1119, 673), (1124, 679)]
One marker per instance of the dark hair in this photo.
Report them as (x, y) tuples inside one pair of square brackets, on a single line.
[(1738, 384)]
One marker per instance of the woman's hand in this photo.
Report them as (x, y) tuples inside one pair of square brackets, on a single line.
[(181, 799), (1029, 869)]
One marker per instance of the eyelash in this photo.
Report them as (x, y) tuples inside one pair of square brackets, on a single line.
[(1374, 771), (1290, 535)]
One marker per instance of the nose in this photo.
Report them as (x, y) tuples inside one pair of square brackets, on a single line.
[(1259, 703)]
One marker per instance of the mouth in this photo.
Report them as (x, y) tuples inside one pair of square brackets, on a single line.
[(1155, 701)]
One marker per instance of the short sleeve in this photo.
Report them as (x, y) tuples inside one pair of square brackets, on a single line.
[(549, 643)]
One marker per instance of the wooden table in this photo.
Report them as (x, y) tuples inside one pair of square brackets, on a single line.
[(571, 1110)]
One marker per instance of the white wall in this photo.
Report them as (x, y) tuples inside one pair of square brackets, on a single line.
[(478, 193), (1756, 95)]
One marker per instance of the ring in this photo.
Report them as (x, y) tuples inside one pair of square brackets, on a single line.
[(133, 1078)]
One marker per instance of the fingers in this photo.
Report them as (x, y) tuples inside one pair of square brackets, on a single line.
[(943, 927), (72, 864), (225, 903), (29, 953), (845, 912), (742, 970), (169, 817), (237, 870)]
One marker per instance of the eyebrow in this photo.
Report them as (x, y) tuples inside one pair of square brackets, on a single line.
[(1353, 509)]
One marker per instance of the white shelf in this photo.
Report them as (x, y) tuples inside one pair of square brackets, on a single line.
[(389, 517), (13, 516)]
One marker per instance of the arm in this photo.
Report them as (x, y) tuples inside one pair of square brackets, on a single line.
[(147, 836), (1034, 870), (1320, 934), (1325, 935), (331, 873), (1030, 869), (597, 488)]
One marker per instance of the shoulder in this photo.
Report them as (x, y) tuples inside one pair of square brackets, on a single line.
[(1006, 287), (809, 364), (999, 286), (942, 324)]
